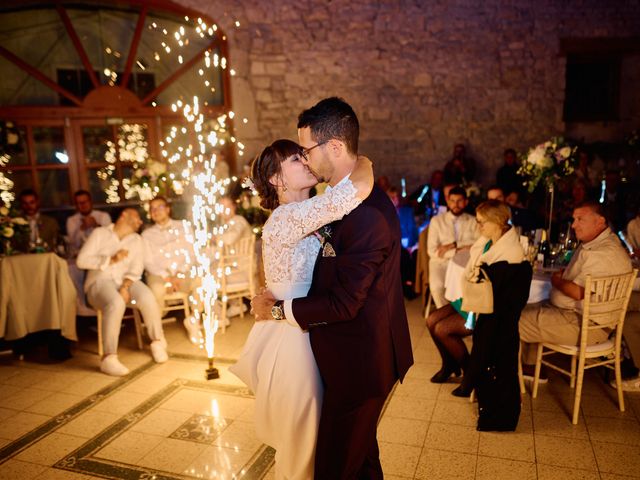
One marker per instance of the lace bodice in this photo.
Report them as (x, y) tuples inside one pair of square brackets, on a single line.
[(289, 246)]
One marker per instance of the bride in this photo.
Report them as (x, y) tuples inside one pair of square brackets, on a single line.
[(277, 362)]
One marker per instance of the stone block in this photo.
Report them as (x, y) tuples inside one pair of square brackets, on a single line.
[(422, 80)]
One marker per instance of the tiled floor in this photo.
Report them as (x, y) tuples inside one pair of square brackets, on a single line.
[(69, 421)]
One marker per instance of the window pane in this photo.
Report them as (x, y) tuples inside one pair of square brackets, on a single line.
[(54, 187), (95, 143), (97, 186), (21, 180), (49, 145), (13, 143), (132, 143)]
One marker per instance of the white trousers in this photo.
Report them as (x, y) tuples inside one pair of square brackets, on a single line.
[(437, 272), (103, 295)]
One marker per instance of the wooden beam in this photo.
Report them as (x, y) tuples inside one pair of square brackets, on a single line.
[(178, 73), (133, 50), (77, 44), (38, 75)]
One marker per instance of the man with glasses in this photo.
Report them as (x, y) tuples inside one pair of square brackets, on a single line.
[(355, 309), (169, 259)]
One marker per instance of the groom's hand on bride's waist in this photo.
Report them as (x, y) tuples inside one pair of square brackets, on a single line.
[(261, 305)]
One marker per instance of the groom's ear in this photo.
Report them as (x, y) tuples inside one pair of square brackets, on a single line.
[(336, 147)]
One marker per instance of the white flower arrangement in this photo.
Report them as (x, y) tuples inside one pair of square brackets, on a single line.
[(547, 162)]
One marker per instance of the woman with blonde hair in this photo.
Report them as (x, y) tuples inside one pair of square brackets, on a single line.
[(499, 243)]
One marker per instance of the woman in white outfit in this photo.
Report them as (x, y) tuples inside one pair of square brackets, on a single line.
[(277, 362)]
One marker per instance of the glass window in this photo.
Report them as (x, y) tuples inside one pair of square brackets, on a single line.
[(13, 143), (49, 146), (54, 187), (21, 179), (168, 42), (95, 143)]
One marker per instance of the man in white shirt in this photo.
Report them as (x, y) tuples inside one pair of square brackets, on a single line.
[(448, 232), (558, 320), (114, 256), (79, 227), (169, 259)]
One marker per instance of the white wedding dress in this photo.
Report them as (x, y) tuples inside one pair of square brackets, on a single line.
[(277, 362)]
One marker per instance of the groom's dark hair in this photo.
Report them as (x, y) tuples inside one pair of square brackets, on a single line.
[(332, 118)]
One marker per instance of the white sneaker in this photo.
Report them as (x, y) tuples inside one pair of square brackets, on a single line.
[(159, 351), (112, 366), (193, 331), (630, 385)]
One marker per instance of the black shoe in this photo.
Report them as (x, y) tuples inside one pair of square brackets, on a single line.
[(444, 373), (462, 391)]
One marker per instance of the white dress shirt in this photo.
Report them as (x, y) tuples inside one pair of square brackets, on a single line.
[(447, 228), (95, 256), (77, 236), (169, 252)]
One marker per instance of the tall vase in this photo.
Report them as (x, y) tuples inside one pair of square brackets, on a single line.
[(551, 190)]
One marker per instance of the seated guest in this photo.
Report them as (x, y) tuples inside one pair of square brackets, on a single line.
[(558, 320), (169, 259), (521, 217), (507, 177), (428, 197), (114, 256), (79, 227), (577, 197), (498, 242), (633, 234), (448, 232), (237, 225), (44, 229), (383, 182), (495, 193), (616, 200), (460, 169)]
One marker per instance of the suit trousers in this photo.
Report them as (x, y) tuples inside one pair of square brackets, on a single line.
[(103, 295), (543, 322), (347, 447), (437, 272)]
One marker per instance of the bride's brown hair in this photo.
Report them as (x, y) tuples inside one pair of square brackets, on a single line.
[(266, 165)]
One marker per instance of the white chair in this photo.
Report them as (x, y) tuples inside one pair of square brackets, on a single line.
[(237, 264), (177, 301), (135, 315), (604, 307), (428, 307)]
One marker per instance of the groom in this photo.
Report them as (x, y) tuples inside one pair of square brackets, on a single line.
[(354, 311)]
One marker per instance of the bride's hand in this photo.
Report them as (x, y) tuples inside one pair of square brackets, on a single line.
[(261, 305)]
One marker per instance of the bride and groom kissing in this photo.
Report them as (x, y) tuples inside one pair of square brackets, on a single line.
[(331, 337)]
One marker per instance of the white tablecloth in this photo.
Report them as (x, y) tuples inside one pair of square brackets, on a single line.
[(539, 290)]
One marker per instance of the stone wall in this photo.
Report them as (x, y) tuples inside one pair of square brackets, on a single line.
[(421, 75)]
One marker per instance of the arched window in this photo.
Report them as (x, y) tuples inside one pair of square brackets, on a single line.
[(80, 82)]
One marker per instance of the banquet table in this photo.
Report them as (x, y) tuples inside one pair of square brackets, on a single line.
[(36, 293), (540, 283), (539, 290)]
